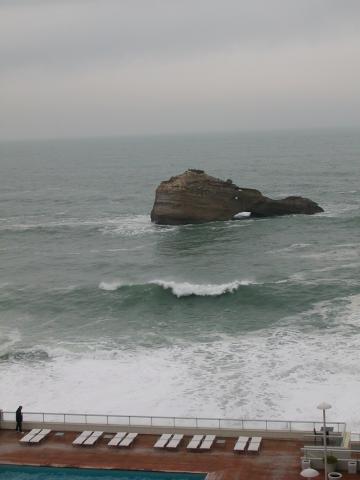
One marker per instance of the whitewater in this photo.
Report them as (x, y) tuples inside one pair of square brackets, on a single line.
[(183, 289), (102, 311)]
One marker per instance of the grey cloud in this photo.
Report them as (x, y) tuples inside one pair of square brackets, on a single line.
[(144, 66), (81, 32)]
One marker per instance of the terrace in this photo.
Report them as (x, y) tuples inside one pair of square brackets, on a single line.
[(279, 457)]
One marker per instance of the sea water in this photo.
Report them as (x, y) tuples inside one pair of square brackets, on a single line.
[(103, 312)]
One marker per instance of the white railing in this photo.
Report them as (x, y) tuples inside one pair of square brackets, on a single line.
[(174, 422)]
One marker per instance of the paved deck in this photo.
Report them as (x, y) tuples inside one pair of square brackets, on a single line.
[(278, 459)]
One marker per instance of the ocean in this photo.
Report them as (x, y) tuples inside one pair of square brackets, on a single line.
[(103, 312)]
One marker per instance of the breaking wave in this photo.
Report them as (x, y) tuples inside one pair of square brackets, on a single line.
[(184, 289), (279, 371)]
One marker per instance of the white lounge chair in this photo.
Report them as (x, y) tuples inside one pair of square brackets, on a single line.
[(94, 437), (195, 442), (82, 437), (240, 445), (26, 438), (40, 436), (207, 442), (175, 441), (163, 440), (128, 440), (254, 445), (116, 439)]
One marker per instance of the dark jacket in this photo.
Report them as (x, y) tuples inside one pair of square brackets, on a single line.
[(19, 415)]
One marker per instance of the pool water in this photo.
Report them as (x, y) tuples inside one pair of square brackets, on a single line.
[(46, 473)]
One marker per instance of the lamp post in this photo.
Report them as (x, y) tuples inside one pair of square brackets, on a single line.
[(324, 406)]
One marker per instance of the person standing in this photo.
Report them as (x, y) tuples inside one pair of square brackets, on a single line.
[(19, 419)]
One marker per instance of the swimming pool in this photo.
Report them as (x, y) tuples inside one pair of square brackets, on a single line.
[(45, 473)]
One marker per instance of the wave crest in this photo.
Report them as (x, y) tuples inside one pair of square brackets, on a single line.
[(186, 289), (182, 289)]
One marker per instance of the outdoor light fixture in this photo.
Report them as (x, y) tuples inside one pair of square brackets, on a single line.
[(324, 406)]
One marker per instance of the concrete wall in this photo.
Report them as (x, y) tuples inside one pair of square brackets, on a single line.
[(341, 466), (316, 456)]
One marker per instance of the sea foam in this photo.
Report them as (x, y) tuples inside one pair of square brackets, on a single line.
[(126, 225), (111, 286), (291, 371), (182, 289), (185, 289)]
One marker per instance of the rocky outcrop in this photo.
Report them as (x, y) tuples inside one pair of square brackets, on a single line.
[(195, 197)]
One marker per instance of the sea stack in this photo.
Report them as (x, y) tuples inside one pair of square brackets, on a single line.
[(195, 197)]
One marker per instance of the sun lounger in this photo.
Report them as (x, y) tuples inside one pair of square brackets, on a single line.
[(26, 438), (207, 442), (175, 441), (40, 436), (163, 440), (128, 440), (241, 443), (254, 445), (195, 442), (116, 439), (82, 437), (94, 437)]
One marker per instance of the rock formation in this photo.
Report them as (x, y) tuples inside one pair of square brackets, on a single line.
[(195, 197)]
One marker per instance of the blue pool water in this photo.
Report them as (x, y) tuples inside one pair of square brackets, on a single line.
[(45, 473)]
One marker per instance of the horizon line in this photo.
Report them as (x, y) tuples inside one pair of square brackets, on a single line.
[(181, 133)]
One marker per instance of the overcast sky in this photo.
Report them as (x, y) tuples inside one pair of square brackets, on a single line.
[(115, 67)]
